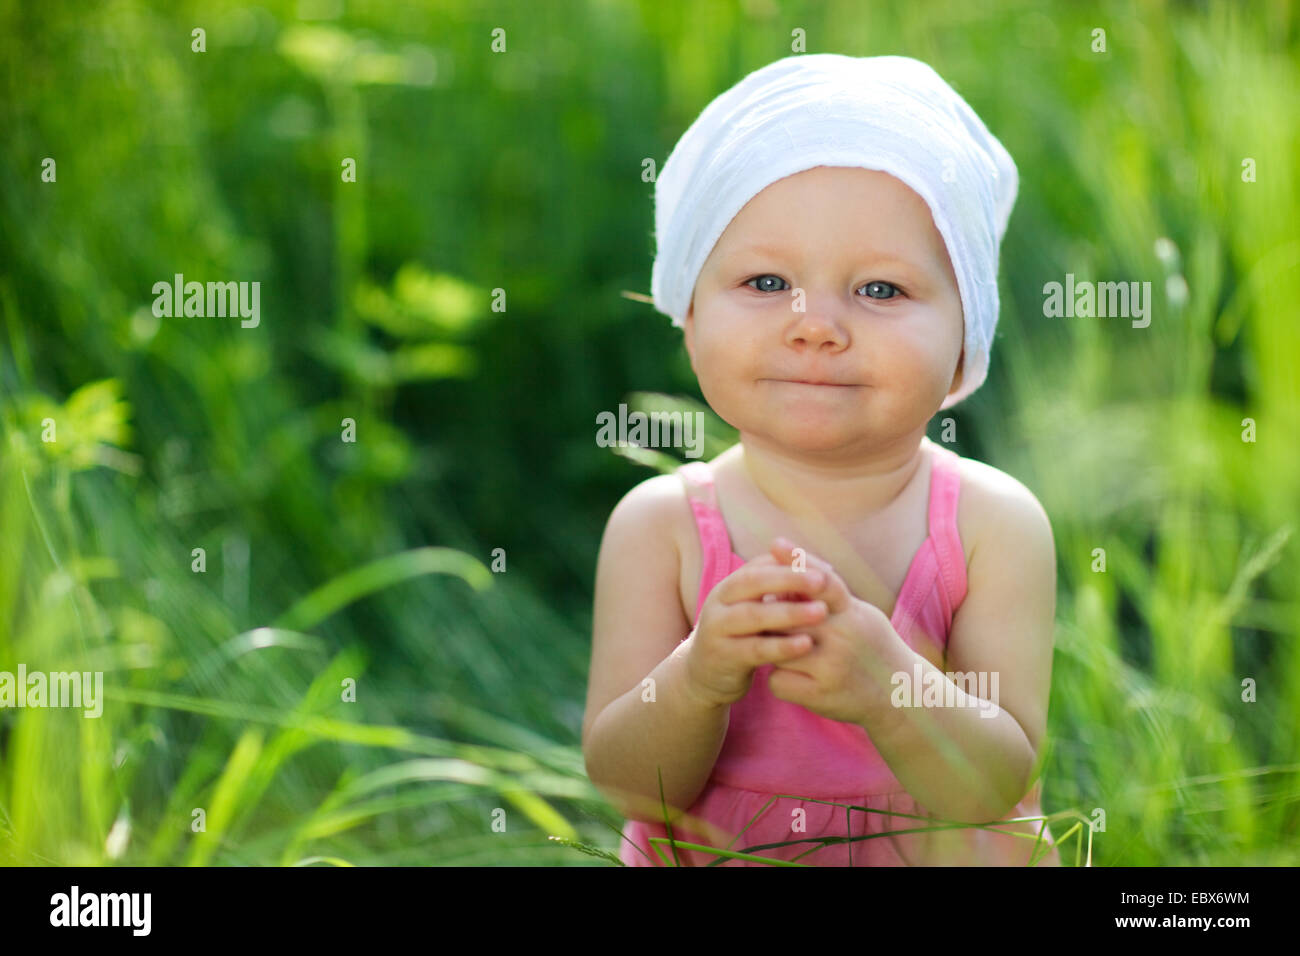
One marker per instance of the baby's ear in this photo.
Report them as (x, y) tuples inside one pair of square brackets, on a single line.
[(956, 378)]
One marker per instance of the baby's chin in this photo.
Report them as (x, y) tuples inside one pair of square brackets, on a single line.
[(800, 434)]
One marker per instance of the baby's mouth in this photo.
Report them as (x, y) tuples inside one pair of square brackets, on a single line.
[(813, 383)]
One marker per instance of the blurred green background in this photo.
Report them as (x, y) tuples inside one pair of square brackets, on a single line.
[(521, 171)]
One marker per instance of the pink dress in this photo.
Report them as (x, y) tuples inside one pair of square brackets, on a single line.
[(773, 746)]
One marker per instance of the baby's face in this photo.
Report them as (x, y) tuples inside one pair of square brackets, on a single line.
[(881, 313)]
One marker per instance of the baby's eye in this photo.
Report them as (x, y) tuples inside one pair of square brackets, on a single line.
[(880, 287), (768, 288)]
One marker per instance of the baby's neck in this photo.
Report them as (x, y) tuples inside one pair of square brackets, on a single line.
[(842, 492)]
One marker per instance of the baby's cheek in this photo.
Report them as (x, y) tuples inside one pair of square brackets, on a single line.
[(914, 367)]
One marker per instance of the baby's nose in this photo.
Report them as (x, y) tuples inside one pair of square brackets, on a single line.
[(817, 330)]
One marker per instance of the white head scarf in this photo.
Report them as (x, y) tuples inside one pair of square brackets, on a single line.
[(887, 113)]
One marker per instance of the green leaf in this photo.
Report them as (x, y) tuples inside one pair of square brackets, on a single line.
[(421, 304), (434, 360), (444, 301), (225, 798), (377, 575), (330, 55)]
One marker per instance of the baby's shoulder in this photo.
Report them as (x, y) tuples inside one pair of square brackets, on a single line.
[(656, 510), (995, 506), (653, 529)]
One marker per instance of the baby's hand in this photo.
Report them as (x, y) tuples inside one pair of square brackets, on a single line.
[(841, 678), (739, 630)]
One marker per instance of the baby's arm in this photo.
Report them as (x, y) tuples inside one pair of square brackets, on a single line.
[(637, 626), (1004, 626)]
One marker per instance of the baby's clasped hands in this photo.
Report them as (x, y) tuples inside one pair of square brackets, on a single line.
[(738, 631), (841, 677), (825, 644)]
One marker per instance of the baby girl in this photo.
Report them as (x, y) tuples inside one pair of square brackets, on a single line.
[(871, 651)]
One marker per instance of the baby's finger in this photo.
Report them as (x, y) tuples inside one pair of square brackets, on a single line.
[(835, 592), (751, 583), (754, 617), (767, 650), (783, 550)]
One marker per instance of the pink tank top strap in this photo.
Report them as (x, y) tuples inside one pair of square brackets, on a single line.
[(945, 481), (715, 543)]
